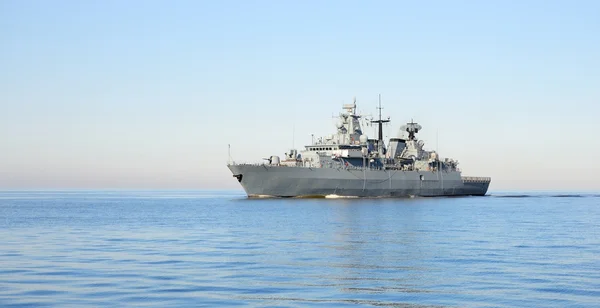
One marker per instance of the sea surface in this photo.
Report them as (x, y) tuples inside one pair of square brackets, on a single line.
[(210, 249)]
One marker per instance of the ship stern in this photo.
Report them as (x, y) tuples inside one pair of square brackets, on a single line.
[(476, 186)]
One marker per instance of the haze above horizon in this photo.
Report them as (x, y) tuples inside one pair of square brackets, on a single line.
[(148, 94)]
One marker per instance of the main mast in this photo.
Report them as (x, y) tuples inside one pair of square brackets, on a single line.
[(380, 122)]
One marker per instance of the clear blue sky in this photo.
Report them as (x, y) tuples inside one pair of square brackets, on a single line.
[(147, 94)]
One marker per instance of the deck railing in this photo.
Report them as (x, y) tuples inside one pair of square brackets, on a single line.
[(349, 167)]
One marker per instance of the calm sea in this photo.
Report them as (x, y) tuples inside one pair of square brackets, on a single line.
[(191, 248)]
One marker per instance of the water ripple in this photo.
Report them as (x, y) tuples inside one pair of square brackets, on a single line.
[(210, 249)]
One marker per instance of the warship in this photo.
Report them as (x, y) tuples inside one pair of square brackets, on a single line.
[(350, 164)]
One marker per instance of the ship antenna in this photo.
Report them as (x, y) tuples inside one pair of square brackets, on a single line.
[(439, 162), (379, 107), (229, 153), (294, 135), (437, 152)]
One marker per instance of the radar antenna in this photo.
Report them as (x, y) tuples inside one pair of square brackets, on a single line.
[(411, 128), (351, 108)]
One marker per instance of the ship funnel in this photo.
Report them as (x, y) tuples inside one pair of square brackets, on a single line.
[(397, 145)]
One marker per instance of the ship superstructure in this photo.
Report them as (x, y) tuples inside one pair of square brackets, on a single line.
[(348, 163)]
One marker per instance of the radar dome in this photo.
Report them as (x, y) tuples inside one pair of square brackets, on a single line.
[(363, 139)]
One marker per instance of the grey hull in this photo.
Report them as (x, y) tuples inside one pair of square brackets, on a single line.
[(282, 181)]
